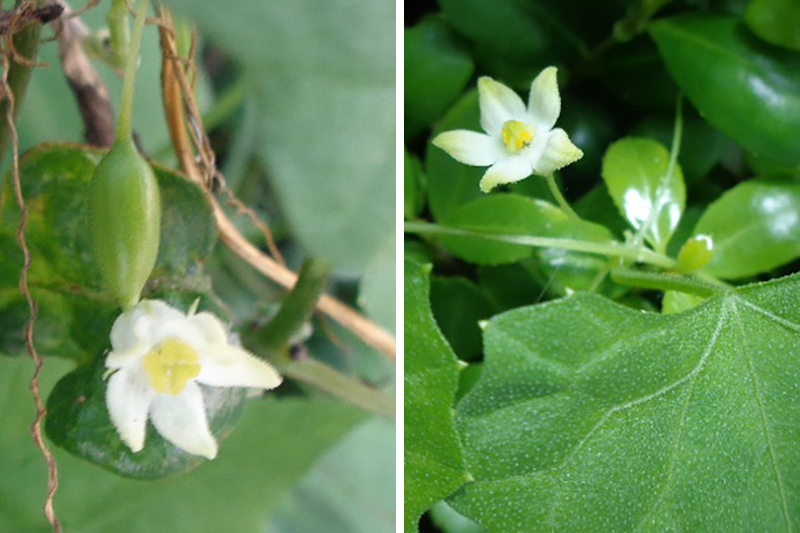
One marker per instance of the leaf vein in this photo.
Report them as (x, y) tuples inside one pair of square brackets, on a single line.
[(761, 410), (657, 394)]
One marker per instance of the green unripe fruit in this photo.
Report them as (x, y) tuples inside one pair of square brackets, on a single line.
[(125, 221), (695, 254)]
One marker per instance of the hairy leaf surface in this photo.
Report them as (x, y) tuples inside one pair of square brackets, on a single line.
[(432, 455), (591, 417)]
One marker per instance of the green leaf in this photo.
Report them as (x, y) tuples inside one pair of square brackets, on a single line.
[(513, 30), (748, 90), (78, 421), (775, 21), (458, 305), (451, 183), (73, 306), (346, 491), (755, 227), (413, 186), (591, 127), (324, 74), (702, 146), (512, 285), (565, 272), (276, 443), (649, 194), (433, 462), (501, 214), (377, 292), (593, 417), (449, 521), (676, 302), (635, 73), (597, 206), (437, 65)]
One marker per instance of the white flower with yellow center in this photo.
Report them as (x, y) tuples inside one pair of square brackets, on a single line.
[(519, 141), (158, 357)]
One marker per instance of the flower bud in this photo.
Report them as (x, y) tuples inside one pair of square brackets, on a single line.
[(695, 254), (125, 221)]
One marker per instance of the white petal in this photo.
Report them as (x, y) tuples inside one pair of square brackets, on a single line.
[(470, 147), (558, 153), (209, 329), (128, 398), (134, 331), (507, 170), (182, 420), (498, 104), (232, 366), (544, 103)]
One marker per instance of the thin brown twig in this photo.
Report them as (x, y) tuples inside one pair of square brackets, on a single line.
[(242, 209), (176, 87), (368, 331), (41, 411)]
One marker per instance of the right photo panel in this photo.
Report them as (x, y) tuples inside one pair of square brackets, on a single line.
[(602, 240)]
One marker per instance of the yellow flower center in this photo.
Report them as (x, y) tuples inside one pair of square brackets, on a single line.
[(170, 365), (517, 135)]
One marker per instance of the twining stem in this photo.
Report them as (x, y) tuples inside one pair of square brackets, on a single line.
[(298, 305), (611, 249), (562, 202), (124, 124), (28, 330), (664, 282), (26, 42)]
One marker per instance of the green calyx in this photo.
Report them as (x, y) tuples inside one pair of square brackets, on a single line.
[(125, 221)]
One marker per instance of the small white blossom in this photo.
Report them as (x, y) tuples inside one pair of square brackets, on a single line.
[(158, 356), (519, 141)]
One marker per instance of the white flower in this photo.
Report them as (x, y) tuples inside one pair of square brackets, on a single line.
[(519, 141), (158, 356)]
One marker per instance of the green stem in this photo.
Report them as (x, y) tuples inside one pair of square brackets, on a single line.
[(664, 282), (562, 202), (120, 32), (601, 275), (337, 384), (612, 249), (297, 307), (124, 125)]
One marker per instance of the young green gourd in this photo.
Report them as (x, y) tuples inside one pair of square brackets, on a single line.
[(124, 201)]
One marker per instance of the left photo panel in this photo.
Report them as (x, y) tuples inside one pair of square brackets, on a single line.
[(198, 267)]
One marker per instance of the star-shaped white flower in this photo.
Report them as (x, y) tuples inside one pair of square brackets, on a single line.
[(158, 356), (519, 141)]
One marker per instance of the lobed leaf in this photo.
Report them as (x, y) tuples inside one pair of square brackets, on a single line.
[(433, 462), (592, 417)]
